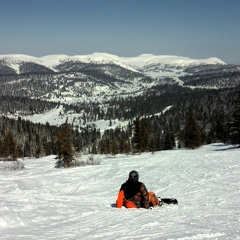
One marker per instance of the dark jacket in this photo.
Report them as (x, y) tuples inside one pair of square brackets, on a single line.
[(133, 194)]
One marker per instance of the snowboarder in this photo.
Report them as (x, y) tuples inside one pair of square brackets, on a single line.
[(134, 194)]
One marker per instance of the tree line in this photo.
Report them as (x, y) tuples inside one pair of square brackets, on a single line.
[(193, 118)]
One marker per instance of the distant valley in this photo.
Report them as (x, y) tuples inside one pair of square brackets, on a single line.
[(101, 95)]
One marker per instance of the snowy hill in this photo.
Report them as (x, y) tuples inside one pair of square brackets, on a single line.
[(41, 202), (148, 64), (77, 78), (140, 62)]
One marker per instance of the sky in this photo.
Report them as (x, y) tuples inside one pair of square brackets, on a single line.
[(127, 28)]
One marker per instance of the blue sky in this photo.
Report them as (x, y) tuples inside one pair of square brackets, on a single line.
[(190, 28)]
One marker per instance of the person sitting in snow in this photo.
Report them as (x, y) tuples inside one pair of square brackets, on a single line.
[(134, 194)]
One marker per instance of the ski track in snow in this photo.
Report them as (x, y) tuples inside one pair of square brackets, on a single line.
[(42, 202)]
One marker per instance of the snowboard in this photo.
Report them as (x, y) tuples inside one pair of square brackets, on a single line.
[(168, 200)]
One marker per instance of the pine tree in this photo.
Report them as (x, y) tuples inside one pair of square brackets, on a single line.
[(65, 144), (9, 145), (127, 147), (38, 151), (168, 140), (1, 152), (221, 129), (144, 136), (192, 136), (136, 135), (152, 144), (140, 140), (114, 147), (235, 120)]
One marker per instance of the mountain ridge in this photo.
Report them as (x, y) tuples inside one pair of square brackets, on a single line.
[(14, 61), (102, 75)]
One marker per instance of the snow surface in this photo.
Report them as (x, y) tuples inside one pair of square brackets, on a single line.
[(102, 57), (42, 202), (146, 59), (56, 117)]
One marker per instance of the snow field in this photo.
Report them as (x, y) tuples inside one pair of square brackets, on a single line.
[(41, 202)]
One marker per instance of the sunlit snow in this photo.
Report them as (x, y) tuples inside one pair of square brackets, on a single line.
[(131, 63), (42, 202)]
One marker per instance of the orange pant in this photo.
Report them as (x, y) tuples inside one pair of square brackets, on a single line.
[(129, 204), (153, 200)]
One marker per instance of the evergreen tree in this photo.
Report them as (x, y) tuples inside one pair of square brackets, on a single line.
[(114, 147), (9, 145), (144, 136), (127, 147), (140, 138), (26, 149), (192, 136), (168, 140), (65, 144), (38, 151), (152, 144), (94, 148), (1, 150), (235, 120), (136, 135), (221, 129)]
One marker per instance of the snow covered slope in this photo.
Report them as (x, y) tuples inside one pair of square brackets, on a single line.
[(143, 62), (169, 59), (66, 78), (41, 202)]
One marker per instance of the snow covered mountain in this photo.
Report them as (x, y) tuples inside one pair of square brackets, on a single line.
[(101, 75), (146, 63)]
